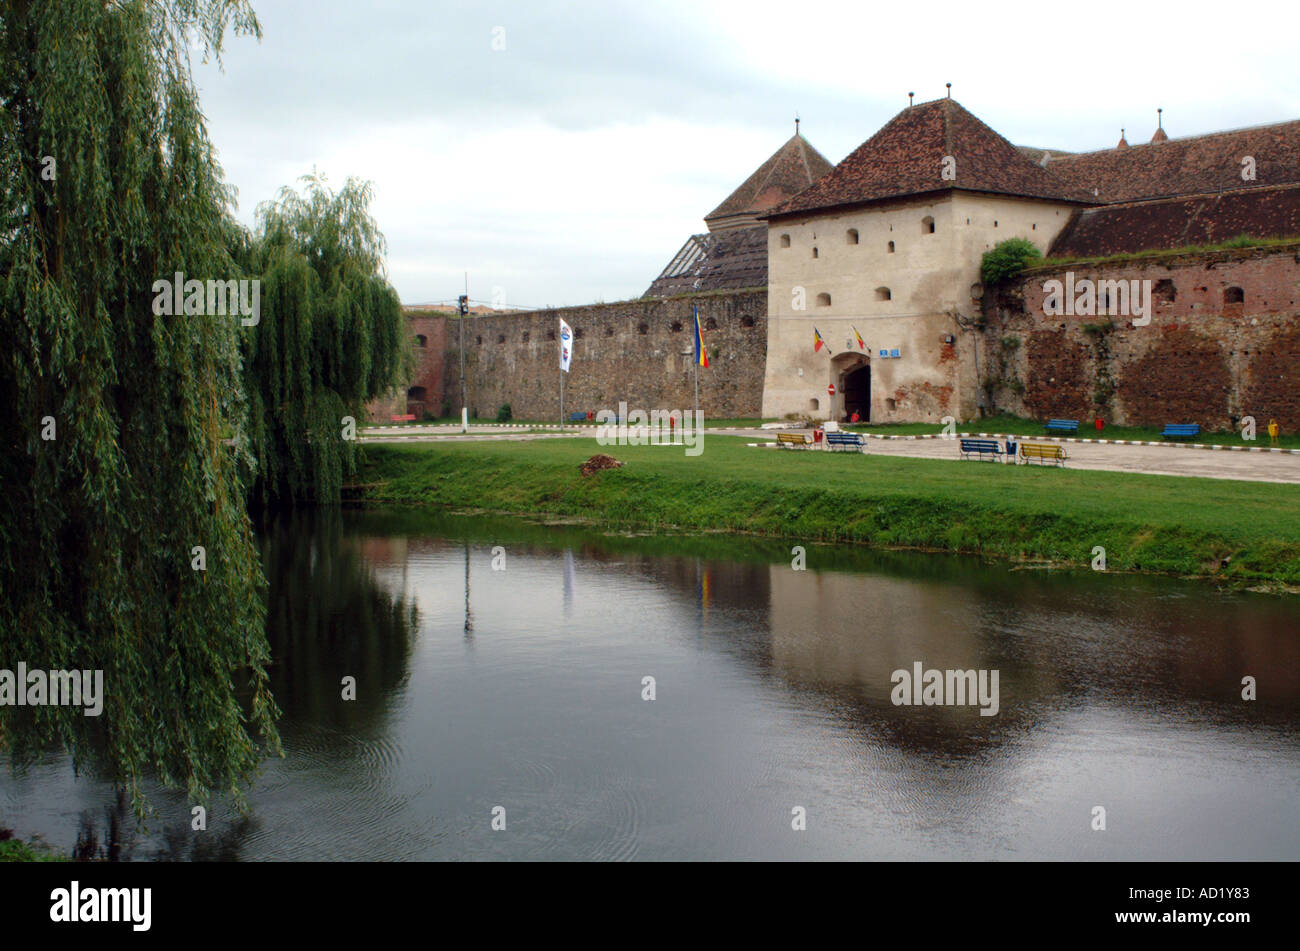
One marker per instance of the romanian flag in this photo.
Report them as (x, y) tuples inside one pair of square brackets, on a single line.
[(862, 344), (701, 355), (818, 342)]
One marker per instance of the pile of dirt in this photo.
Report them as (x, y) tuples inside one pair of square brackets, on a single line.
[(598, 462)]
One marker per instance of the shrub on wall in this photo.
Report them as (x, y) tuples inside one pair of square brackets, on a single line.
[(1007, 259)]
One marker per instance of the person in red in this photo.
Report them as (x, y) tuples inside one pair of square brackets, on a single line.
[(855, 418)]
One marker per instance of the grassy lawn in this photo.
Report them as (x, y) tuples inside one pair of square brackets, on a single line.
[(1238, 532), (1017, 426)]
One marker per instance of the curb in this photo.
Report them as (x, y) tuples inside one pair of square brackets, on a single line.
[(1099, 442)]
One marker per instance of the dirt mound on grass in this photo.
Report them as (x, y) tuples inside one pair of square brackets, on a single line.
[(598, 462)]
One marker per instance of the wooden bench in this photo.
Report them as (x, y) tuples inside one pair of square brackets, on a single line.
[(1043, 452), (1063, 426), (794, 440), (980, 448), (845, 442), (1181, 431), (408, 418)]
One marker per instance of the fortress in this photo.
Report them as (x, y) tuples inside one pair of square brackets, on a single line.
[(879, 258)]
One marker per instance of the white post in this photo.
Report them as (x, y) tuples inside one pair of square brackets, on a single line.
[(464, 419)]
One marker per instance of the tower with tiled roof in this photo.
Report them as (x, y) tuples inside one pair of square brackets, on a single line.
[(886, 247), (733, 254), (790, 170)]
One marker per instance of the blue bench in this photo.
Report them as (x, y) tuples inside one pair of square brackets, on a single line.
[(1062, 425), (981, 448), (1181, 431), (577, 417), (845, 442)]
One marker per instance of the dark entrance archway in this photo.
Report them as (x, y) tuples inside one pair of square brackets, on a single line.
[(851, 374), (417, 398), (857, 392)]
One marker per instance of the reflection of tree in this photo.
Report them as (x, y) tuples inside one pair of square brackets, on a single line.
[(117, 839), (328, 618)]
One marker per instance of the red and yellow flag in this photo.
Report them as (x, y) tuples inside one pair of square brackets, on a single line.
[(862, 344)]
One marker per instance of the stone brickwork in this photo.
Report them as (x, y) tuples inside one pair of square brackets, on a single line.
[(639, 352), (1223, 342), (425, 391)]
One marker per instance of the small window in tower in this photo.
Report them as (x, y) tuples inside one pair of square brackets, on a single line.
[(577, 333), (883, 293), (1234, 295), (1034, 226), (421, 340), (1164, 291), (852, 236), (823, 300), (643, 328), (711, 323), (785, 241), (815, 252), (526, 335), (891, 247), (479, 340), (676, 327), (501, 338), (927, 225), (814, 405), (747, 321), (550, 335), (995, 224), (609, 331)]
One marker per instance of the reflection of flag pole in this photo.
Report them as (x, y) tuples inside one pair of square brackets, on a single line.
[(469, 625), (568, 580)]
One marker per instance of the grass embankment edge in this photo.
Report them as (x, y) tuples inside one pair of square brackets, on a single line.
[(1045, 518)]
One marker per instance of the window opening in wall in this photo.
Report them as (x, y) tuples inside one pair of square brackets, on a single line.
[(823, 300)]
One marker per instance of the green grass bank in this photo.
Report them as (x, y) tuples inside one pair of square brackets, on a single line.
[(1243, 534)]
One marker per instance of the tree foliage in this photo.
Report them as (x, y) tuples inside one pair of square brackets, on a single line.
[(330, 338), (98, 524), (1007, 259)]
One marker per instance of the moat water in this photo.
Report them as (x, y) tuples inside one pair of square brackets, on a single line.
[(517, 692)]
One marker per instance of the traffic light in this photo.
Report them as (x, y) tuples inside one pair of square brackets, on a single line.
[(463, 300)]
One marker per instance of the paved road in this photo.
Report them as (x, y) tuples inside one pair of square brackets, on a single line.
[(1157, 460)]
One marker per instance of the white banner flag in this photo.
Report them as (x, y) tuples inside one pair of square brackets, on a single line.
[(566, 345)]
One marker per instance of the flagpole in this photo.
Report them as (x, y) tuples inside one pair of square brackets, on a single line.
[(561, 399), (699, 351)]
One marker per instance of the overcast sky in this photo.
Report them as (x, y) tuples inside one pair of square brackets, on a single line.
[(569, 166)]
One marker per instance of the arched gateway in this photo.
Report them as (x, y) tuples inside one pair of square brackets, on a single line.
[(851, 374)]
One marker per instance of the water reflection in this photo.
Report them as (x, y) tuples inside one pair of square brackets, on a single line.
[(522, 688)]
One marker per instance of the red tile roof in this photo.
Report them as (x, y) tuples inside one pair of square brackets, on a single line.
[(1179, 222), (906, 157), (1198, 165), (790, 169)]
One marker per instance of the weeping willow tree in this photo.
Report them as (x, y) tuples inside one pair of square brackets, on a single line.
[(330, 339), (123, 429)]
